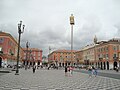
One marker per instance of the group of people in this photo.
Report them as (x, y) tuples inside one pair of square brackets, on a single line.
[(68, 70), (92, 71)]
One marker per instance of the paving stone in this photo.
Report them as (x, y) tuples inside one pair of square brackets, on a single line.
[(58, 89), (56, 80), (1, 88), (24, 89), (33, 88)]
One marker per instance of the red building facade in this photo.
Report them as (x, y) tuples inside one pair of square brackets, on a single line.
[(8, 50), (107, 54), (32, 56)]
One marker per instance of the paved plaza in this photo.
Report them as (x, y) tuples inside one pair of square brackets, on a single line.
[(52, 79)]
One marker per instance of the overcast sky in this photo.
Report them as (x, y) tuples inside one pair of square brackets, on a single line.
[(47, 21)]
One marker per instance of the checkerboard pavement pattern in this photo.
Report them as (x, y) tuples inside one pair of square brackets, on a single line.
[(55, 80)]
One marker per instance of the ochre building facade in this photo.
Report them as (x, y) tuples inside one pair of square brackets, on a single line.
[(103, 55), (62, 57)]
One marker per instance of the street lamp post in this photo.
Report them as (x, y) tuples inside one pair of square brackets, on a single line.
[(27, 46), (72, 23), (20, 31), (95, 42)]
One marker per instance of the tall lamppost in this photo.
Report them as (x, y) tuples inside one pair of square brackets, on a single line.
[(27, 46), (95, 42), (20, 31), (72, 23)]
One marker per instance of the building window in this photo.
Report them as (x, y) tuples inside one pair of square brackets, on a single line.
[(1, 40), (106, 56), (34, 54), (115, 48), (38, 53), (106, 48), (38, 58), (99, 56), (101, 49), (114, 55)]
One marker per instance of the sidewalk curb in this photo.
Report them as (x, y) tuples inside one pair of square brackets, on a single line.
[(5, 72)]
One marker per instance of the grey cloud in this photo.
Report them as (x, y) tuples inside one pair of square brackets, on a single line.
[(86, 33), (117, 27), (47, 22)]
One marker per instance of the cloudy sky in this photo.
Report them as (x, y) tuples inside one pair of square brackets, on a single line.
[(47, 21)]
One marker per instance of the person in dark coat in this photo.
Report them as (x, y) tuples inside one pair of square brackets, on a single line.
[(66, 70), (34, 68)]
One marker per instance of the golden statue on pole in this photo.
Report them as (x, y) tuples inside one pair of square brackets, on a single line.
[(72, 19)]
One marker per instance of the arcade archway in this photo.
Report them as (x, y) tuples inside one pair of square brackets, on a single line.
[(104, 66), (101, 66), (115, 64), (107, 65)]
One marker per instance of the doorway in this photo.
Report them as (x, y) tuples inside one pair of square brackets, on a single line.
[(104, 65), (101, 66), (107, 65)]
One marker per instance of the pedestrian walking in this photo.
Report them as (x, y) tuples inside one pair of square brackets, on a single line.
[(34, 68), (90, 71), (95, 72), (71, 70), (66, 69)]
